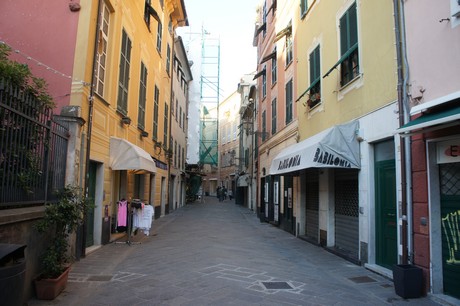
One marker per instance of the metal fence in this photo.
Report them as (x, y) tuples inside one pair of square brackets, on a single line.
[(33, 150)]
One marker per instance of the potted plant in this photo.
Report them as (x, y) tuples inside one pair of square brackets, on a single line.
[(61, 219)]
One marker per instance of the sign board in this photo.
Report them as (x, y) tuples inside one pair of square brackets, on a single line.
[(448, 151)]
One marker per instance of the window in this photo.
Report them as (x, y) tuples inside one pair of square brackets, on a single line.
[(264, 84), (123, 81), (349, 46), (168, 58), (289, 55), (148, 4), (264, 19), (303, 7), (274, 69), (246, 157), (229, 131), (172, 103), (183, 121), (289, 101), (165, 130), (315, 78), (179, 157), (264, 125), (177, 108), (180, 117), (175, 153), (102, 45), (274, 116), (183, 158), (159, 36), (142, 97), (155, 113)]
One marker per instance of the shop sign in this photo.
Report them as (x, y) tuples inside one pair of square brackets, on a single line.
[(448, 151)]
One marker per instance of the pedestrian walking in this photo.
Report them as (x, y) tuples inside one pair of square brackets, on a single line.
[(220, 194)]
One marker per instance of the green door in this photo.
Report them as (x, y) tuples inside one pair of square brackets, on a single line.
[(90, 213), (385, 213), (450, 223)]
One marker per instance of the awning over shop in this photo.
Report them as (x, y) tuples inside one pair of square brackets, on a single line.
[(336, 147), (127, 156), (243, 181), (432, 121)]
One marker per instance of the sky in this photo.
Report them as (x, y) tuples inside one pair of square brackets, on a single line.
[(232, 22)]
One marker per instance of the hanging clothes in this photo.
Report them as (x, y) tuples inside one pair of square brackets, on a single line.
[(137, 215), (142, 218), (147, 219), (122, 214)]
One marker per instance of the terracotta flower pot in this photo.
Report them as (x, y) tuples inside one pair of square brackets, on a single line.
[(50, 288)]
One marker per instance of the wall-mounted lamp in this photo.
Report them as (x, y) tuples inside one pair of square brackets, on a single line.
[(126, 120)]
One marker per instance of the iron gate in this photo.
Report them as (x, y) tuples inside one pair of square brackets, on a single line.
[(33, 150)]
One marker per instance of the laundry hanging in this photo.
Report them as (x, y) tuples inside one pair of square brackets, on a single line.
[(122, 214), (142, 218)]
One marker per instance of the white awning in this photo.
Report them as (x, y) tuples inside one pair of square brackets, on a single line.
[(127, 156), (336, 147)]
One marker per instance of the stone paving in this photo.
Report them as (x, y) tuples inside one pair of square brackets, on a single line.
[(218, 253)]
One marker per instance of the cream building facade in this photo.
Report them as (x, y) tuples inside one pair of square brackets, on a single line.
[(125, 140)]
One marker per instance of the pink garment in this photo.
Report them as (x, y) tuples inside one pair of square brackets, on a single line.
[(122, 213)]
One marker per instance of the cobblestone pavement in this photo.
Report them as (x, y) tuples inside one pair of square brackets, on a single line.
[(215, 253)]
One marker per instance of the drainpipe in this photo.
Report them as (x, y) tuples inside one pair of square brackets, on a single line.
[(407, 140), (90, 125), (171, 101), (406, 211)]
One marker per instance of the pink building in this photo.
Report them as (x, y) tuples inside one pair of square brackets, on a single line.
[(431, 131), (43, 37)]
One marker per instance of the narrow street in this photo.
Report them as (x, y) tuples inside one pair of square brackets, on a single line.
[(215, 253)]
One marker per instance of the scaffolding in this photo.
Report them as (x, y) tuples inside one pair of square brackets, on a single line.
[(210, 97)]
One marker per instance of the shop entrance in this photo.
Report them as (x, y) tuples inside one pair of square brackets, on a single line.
[(288, 203), (312, 206), (92, 196), (450, 223), (347, 213)]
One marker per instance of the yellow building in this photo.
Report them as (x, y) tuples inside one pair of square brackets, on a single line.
[(124, 50), (344, 164), (230, 157)]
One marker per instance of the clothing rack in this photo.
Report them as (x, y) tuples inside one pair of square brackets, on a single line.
[(135, 203)]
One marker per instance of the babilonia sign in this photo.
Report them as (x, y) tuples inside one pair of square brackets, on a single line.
[(448, 151), (336, 147), (289, 162)]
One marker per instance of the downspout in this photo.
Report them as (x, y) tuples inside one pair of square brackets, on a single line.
[(171, 101), (405, 161), (90, 125), (407, 140)]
